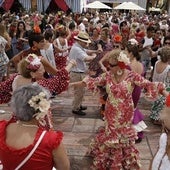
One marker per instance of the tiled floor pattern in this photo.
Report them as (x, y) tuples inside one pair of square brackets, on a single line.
[(79, 130)]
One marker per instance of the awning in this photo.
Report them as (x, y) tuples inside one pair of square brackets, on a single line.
[(6, 4), (129, 6), (62, 5), (97, 5)]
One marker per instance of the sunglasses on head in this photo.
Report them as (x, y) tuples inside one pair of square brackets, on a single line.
[(112, 65)]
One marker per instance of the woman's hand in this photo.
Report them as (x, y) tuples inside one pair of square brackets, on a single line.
[(165, 93), (72, 63), (77, 84), (104, 69), (99, 51), (85, 80)]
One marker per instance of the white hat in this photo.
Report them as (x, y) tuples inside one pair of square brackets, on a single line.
[(83, 36)]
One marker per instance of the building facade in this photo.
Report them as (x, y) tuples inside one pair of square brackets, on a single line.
[(163, 4), (77, 6)]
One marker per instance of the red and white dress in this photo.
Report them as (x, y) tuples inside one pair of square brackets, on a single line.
[(114, 146), (61, 57), (57, 84)]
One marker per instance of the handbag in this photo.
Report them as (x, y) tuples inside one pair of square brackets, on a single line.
[(32, 151)]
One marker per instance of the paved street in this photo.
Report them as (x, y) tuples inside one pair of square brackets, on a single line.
[(78, 131)]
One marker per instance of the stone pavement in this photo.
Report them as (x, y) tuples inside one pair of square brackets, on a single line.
[(79, 130)]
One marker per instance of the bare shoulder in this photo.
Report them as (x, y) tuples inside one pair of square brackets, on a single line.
[(137, 67)]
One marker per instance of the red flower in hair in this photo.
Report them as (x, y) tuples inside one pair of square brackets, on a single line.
[(33, 67), (122, 65), (123, 60), (167, 102), (117, 38), (37, 29)]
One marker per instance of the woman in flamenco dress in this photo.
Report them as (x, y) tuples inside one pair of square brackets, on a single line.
[(113, 147)]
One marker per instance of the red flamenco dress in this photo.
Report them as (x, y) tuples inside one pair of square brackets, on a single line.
[(114, 147)]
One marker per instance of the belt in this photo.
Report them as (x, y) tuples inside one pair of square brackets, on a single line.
[(77, 72)]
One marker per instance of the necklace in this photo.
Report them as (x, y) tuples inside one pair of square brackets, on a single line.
[(26, 125), (118, 78)]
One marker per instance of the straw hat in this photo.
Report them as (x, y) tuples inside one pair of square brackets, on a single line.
[(83, 36)]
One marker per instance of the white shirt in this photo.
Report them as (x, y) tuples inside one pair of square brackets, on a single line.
[(49, 54), (148, 41), (82, 27), (160, 77), (78, 53)]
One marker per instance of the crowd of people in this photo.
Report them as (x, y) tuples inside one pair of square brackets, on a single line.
[(109, 53)]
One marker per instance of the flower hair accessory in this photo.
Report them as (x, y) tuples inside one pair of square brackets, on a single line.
[(34, 62), (123, 60), (117, 38), (40, 104)]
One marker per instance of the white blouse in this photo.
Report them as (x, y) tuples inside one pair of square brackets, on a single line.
[(160, 77)]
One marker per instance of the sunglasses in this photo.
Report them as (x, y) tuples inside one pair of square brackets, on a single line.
[(112, 65), (115, 46), (167, 43)]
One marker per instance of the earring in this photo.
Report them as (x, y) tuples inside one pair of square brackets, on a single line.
[(33, 48), (119, 72)]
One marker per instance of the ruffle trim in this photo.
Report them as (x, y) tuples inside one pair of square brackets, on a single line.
[(58, 139), (114, 154), (114, 140)]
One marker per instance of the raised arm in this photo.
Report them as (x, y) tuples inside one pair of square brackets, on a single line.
[(103, 59), (48, 67)]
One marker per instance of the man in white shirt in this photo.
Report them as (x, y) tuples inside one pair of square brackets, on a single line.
[(79, 53)]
